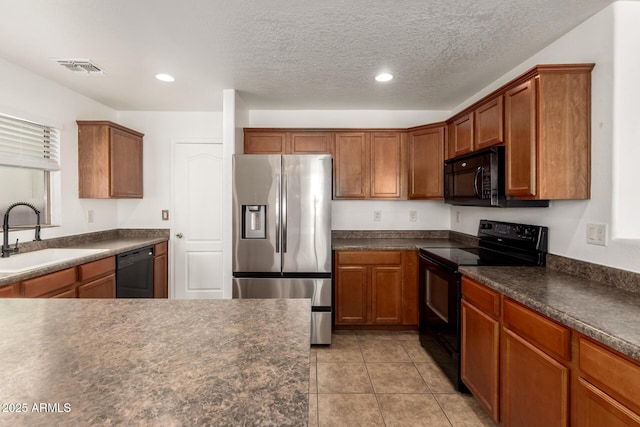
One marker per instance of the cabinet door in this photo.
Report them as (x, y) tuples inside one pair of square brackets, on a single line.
[(426, 160), (463, 135), (160, 280), (489, 123), (69, 293), (104, 287), (386, 298), (386, 165), (126, 165), (311, 142), (265, 142), (595, 408), (351, 166), (351, 295), (480, 356), (520, 140), (535, 387)]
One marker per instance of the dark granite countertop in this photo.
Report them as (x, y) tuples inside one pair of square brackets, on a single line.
[(366, 244), (368, 240), (113, 243), (155, 362), (600, 311)]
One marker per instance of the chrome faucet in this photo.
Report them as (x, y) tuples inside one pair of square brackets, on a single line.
[(6, 249)]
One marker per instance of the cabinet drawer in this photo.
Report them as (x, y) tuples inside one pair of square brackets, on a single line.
[(615, 374), (96, 268), (369, 257), (545, 332), (10, 291), (481, 296), (49, 283)]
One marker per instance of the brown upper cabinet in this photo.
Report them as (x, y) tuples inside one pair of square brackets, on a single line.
[(351, 165), (369, 165), (426, 146), (109, 161), (547, 133), (461, 140), (387, 165), (278, 141), (489, 123)]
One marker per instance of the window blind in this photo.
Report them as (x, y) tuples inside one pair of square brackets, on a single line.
[(29, 145)]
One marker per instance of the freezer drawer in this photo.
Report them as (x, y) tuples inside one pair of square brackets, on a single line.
[(318, 290)]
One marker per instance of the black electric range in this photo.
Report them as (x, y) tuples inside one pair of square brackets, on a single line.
[(499, 244)]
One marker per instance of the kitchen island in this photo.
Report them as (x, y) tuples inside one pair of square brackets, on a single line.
[(154, 362)]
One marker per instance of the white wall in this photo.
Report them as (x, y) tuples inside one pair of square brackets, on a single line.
[(344, 118), (358, 215), (29, 96), (626, 131), (161, 130), (592, 41)]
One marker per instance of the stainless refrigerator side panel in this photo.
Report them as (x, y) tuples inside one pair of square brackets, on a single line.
[(318, 290), (255, 182), (320, 327), (306, 188)]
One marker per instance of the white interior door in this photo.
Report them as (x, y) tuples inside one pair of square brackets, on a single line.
[(197, 221)]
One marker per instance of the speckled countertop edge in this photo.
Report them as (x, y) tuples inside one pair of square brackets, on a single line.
[(156, 362), (607, 314), (113, 243)]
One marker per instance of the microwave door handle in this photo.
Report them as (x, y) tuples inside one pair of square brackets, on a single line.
[(475, 182)]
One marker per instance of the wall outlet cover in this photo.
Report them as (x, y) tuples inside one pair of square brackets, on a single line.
[(597, 234), (377, 215), (165, 215)]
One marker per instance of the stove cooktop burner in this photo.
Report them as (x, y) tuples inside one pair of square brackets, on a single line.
[(500, 243)]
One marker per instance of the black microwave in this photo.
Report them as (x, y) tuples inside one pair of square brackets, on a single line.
[(478, 179)]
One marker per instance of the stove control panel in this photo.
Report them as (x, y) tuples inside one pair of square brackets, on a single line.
[(533, 236)]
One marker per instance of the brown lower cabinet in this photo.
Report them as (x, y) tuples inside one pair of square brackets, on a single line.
[(376, 288), (10, 291), (549, 374), (161, 271), (95, 279)]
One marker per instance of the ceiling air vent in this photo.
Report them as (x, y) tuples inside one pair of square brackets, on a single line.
[(82, 66)]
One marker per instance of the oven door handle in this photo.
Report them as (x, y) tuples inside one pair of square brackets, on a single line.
[(475, 182)]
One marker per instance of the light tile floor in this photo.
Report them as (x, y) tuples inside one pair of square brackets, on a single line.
[(380, 378)]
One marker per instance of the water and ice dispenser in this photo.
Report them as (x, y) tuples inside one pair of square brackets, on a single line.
[(254, 221)]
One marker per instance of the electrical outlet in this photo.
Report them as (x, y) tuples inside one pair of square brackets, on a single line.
[(90, 216), (413, 216), (597, 234), (165, 215), (377, 215), (458, 217)]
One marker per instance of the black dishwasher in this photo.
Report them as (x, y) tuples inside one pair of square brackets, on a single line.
[(134, 273)]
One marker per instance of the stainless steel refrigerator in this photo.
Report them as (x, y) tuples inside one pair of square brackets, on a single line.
[(282, 232)]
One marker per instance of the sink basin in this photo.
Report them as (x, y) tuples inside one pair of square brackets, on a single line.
[(18, 263)]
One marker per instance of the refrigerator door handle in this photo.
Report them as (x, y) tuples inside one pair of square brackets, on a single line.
[(277, 213), (284, 212)]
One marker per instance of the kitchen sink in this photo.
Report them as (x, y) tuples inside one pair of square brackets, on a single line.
[(18, 263)]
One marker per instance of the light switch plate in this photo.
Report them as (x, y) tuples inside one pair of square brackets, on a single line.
[(165, 215), (597, 234)]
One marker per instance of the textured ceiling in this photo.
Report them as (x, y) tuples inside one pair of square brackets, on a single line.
[(283, 54)]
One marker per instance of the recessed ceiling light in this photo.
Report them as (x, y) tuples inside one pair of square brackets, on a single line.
[(383, 77), (164, 77)]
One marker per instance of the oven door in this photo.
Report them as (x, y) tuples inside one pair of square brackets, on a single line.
[(440, 304)]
